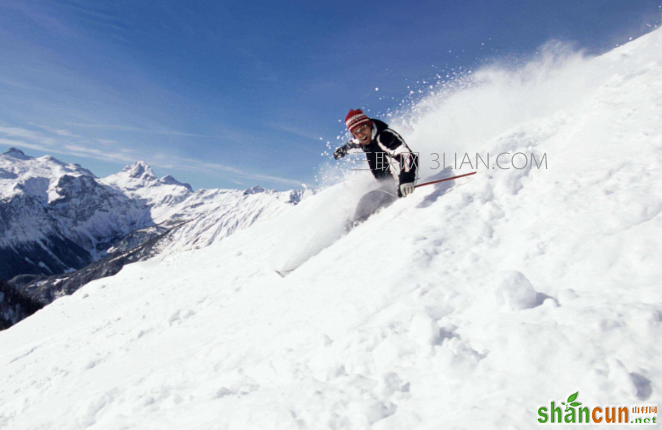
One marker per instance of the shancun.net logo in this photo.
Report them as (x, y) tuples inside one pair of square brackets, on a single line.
[(575, 413)]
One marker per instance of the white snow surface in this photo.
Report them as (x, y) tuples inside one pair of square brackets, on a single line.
[(216, 214), (464, 309)]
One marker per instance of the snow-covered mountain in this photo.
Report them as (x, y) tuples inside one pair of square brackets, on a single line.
[(209, 215), (466, 305), (57, 219), (216, 214), (139, 182)]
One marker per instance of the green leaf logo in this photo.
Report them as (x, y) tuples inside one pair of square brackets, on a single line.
[(573, 397), (571, 401)]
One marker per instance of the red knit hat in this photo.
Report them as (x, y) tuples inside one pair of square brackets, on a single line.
[(355, 119)]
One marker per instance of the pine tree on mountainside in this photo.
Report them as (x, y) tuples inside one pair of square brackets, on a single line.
[(15, 305)]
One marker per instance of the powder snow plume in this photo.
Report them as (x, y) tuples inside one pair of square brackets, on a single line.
[(466, 305)]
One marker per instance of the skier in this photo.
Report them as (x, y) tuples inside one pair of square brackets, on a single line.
[(391, 161)]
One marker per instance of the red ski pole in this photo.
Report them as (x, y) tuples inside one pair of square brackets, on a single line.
[(446, 179)]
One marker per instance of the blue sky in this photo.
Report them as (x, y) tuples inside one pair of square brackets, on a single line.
[(233, 94)]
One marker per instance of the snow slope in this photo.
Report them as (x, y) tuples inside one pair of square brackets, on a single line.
[(216, 214), (464, 307)]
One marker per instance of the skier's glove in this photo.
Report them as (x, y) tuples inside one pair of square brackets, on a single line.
[(343, 150), (340, 152), (406, 189)]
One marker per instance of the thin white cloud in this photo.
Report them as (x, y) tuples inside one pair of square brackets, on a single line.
[(19, 143), (27, 134), (166, 161), (121, 127), (39, 14), (68, 143), (295, 130), (106, 126), (58, 131), (79, 151), (98, 154), (213, 169)]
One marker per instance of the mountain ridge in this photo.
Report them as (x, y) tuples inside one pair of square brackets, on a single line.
[(56, 219)]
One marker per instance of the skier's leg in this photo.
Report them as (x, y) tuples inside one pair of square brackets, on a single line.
[(373, 201)]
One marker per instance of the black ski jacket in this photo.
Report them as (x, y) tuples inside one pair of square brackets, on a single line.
[(388, 155)]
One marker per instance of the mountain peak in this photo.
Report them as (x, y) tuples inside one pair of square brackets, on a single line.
[(139, 169), (169, 180), (254, 190), (140, 176), (17, 153)]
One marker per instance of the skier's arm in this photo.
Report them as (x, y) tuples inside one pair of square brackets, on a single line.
[(408, 167), (343, 150)]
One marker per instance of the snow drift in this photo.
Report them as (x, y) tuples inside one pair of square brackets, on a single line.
[(457, 308)]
